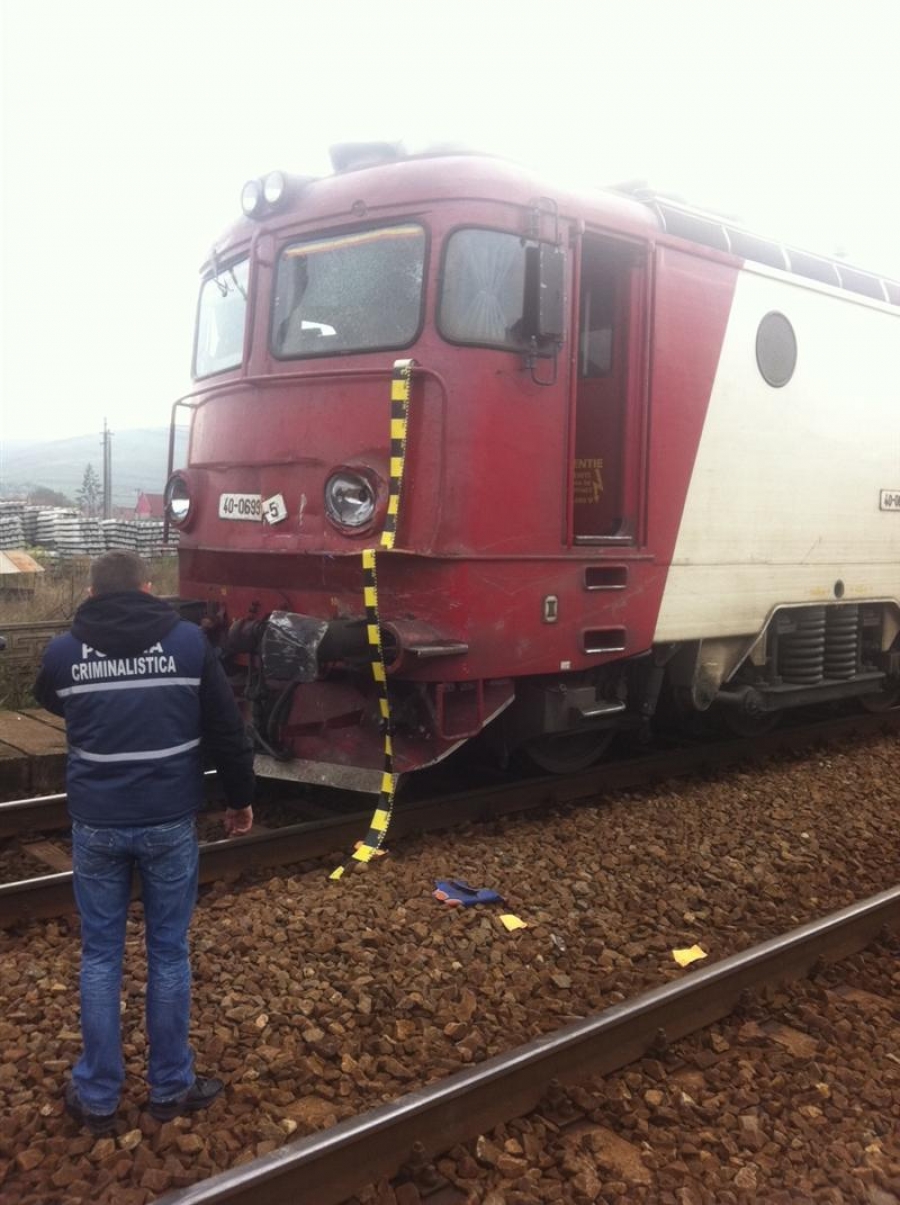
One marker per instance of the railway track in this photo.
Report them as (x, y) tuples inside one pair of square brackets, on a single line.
[(327, 1167), (51, 895)]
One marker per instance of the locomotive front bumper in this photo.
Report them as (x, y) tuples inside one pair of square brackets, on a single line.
[(297, 648), (315, 715)]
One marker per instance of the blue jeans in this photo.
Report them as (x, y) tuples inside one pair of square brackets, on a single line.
[(102, 861)]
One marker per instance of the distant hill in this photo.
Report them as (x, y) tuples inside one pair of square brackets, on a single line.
[(139, 460)]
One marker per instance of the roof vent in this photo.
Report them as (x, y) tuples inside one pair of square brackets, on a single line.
[(350, 156)]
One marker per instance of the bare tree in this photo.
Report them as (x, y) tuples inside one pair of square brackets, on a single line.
[(90, 495)]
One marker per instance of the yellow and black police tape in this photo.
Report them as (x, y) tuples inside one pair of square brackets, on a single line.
[(381, 819)]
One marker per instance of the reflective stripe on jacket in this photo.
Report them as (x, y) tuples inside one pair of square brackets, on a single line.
[(135, 725)]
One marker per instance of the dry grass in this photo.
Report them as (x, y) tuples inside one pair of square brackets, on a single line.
[(56, 595), (63, 585)]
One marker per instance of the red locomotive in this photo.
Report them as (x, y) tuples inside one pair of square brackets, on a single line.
[(645, 451)]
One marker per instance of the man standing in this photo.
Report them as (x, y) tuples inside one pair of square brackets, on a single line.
[(144, 699)]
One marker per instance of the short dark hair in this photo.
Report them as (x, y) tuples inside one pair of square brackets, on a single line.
[(117, 571)]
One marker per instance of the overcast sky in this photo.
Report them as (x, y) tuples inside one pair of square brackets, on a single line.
[(128, 130)]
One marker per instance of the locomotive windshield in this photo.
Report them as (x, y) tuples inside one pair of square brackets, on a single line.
[(220, 320), (353, 292), (483, 292)]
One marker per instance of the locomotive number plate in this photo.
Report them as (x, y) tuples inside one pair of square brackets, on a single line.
[(890, 499), (241, 506), (274, 509)]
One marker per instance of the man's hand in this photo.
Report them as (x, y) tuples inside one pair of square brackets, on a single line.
[(238, 821)]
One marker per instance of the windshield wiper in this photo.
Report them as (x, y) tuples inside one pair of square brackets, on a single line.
[(216, 278), (214, 259), (237, 284)]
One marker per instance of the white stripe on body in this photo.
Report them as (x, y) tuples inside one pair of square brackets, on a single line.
[(783, 500)]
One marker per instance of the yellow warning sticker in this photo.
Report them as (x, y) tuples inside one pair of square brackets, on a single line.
[(588, 480)]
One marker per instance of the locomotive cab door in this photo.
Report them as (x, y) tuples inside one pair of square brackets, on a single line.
[(604, 479)]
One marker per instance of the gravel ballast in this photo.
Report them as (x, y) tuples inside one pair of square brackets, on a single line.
[(316, 999), (794, 1101)]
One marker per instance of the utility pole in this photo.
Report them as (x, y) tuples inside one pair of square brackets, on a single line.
[(107, 471)]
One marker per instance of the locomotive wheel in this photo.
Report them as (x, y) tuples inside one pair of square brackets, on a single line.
[(567, 753), (741, 723), (884, 700)]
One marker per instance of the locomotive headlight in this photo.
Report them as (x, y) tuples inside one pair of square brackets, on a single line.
[(251, 197), (177, 498), (273, 187), (349, 499)]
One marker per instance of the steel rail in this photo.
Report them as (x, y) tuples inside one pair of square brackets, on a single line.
[(48, 812), (42, 814), (51, 895), (327, 1167)]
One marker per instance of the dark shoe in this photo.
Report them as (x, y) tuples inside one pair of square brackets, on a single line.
[(97, 1123), (202, 1092)]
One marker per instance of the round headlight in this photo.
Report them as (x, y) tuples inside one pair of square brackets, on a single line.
[(177, 499), (273, 187), (251, 197), (349, 499)]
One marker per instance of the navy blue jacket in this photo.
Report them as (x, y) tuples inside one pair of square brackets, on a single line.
[(145, 700)]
